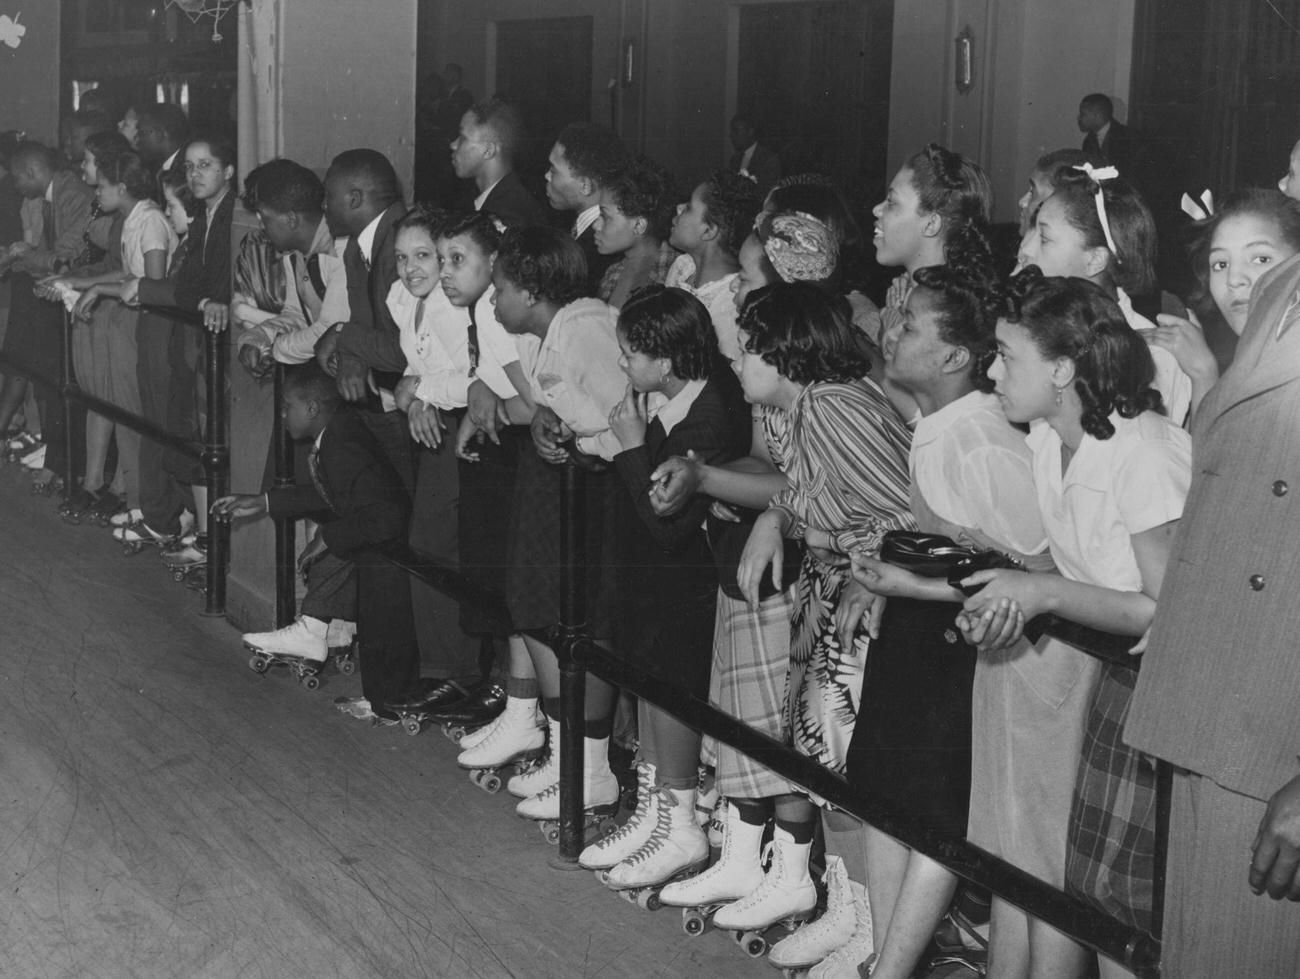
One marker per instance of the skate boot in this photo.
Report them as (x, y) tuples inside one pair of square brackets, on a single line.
[(847, 961), (107, 504), (600, 794), (190, 552), (787, 896), (814, 942), (471, 738), (706, 799), (483, 706), (736, 873), (300, 646), (135, 537), (78, 504), (516, 737), (340, 640), (22, 444), (717, 825), (34, 460), (677, 849), (605, 853), (545, 773), (125, 518)]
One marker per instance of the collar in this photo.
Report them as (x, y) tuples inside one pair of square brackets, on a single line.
[(366, 240), (318, 439), (171, 160), (49, 190), (585, 220), (931, 426), (675, 408), (481, 199), (1101, 133), (214, 204)]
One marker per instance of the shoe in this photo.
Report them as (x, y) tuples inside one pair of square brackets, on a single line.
[(856, 956), (676, 846), (23, 444), (787, 892), (107, 505), (126, 517), (304, 638), (359, 707), (599, 786), (517, 731), (140, 535), (545, 773), (811, 944), (634, 833), (736, 873), (340, 634), (483, 705), (34, 459), (80, 502), (431, 695), (186, 556)]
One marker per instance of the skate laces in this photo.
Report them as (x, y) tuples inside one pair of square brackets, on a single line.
[(644, 787), (659, 835)]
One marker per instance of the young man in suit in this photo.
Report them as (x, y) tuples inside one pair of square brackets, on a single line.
[(363, 509), (161, 133), (1220, 679), (752, 159), (484, 151), (1106, 141), (583, 158)]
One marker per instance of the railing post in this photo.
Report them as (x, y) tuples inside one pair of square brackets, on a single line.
[(66, 382), (570, 635), (216, 469), (285, 599)]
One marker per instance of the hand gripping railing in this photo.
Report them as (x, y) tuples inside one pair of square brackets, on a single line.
[(213, 452)]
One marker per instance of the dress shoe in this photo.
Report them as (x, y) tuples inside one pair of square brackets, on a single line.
[(432, 695), (481, 707)]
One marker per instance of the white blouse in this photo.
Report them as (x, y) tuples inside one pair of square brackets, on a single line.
[(1132, 482), (717, 298), (146, 229)]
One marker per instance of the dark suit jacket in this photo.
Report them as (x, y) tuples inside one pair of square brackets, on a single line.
[(1117, 149), (596, 262), (368, 507), (204, 272), (71, 213), (510, 201), (1218, 686), (371, 335), (764, 166)]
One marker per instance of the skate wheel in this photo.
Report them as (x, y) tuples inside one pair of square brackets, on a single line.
[(607, 827), (311, 681), (648, 901), (411, 726), (602, 875), (692, 922), (551, 831), (178, 576), (258, 664), (754, 944), (491, 783), (347, 666), (453, 732)]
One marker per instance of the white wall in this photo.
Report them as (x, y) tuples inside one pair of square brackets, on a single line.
[(29, 73)]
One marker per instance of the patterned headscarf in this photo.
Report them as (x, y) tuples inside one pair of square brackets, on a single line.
[(800, 248)]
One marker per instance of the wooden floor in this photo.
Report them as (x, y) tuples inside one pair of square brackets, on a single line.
[(166, 812)]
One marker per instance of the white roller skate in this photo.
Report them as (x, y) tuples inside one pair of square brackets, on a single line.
[(340, 640), (545, 773), (605, 853), (301, 646), (517, 736), (811, 944), (787, 896), (855, 957), (677, 849), (600, 792), (736, 873)]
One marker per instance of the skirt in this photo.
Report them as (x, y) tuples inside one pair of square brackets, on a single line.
[(1110, 853), (487, 490), (751, 663), (825, 684), (533, 575), (912, 743)]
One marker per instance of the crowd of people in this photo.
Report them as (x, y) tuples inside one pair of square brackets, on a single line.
[(754, 430)]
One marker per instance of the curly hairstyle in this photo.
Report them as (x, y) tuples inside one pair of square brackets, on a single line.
[(671, 323), (730, 204), (803, 333), (479, 226), (425, 216), (644, 189), (284, 186), (546, 262), (1132, 264), (1267, 204), (127, 170), (593, 152), (958, 190), (97, 144), (960, 298), (1075, 318)]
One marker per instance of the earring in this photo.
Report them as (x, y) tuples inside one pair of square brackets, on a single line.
[(1058, 396)]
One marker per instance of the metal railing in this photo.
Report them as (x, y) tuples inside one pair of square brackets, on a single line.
[(213, 452)]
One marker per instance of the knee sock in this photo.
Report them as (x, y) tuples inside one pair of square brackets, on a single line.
[(800, 832), (597, 727), (846, 838), (752, 811), (523, 688)]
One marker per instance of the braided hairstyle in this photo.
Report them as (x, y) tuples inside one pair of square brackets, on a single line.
[(1075, 318), (1132, 263), (961, 300), (958, 190)]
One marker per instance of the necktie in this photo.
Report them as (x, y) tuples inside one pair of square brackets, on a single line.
[(473, 342), (318, 476)]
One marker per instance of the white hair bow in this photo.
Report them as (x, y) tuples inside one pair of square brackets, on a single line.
[(1098, 175), (1199, 209)]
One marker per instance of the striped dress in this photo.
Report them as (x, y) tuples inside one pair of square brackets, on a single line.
[(847, 468)]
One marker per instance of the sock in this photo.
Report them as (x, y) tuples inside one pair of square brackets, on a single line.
[(799, 832), (846, 838), (751, 811), (522, 687), (600, 727)]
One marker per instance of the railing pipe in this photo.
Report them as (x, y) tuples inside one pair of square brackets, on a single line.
[(283, 477), (568, 644)]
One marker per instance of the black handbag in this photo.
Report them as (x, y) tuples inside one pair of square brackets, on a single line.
[(727, 542), (937, 556)]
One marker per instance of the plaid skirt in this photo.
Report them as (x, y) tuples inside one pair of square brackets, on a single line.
[(751, 659), (1110, 854)]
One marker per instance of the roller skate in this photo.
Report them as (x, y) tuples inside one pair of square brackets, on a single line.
[(300, 646), (341, 641), (434, 695), (107, 505), (481, 707), (542, 773), (603, 854), (855, 957), (962, 936), (135, 537), (518, 735), (22, 444), (77, 506), (189, 556), (846, 910), (737, 873), (785, 899), (46, 483), (600, 794), (675, 850)]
